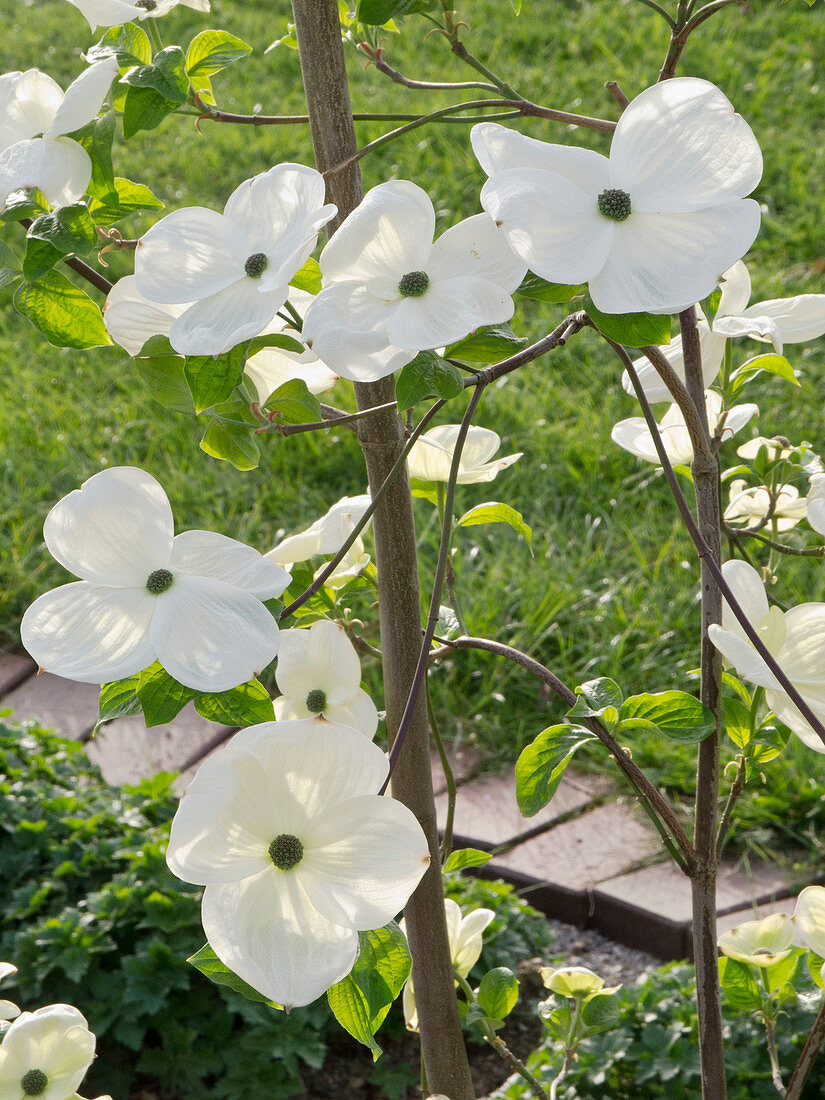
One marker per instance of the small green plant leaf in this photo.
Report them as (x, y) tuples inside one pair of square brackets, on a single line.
[(486, 345), (212, 380), (166, 75), (161, 697), (466, 857), (601, 1013), (144, 109), (240, 706), (634, 329), (771, 363), (815, 968), (676, 714), (209, 964), (294, 404), (740, 985), (308, 277), (498, 993), (211, 51), (40, 257), (69, 229), (495, 512), (118, 699), (66, 316), (595, 698), (362, 999), (231, 443), (96, 138), (125, 198), (539, 290), (541, 766), (163, 374), (737, 720), (428, 375), (274, 340), (129, 43)]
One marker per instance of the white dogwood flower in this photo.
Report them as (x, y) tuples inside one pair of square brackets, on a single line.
[(649, 228), (45, 1054), (760, 942), (577, 982), (8, 1009), (191, 601), (795, 638), (816, 503), (233, 267), (751, 504), (297, 851), (780, 320), (431, 455), (131, 320), (319, 673), (389, 292), (465, 935), (809, 919), (35, 116), (114, 13), (634, 435), (326, 535)]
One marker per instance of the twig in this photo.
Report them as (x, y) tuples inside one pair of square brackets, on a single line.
[(423, 85), (736, 533), (335, 419), (449, 778), (632, 772), (807, 1058), (617, 93), (330, 568), (776, 1071), (736, 789), (704, 551), (664, 14), (560, 1076), (678, 391)]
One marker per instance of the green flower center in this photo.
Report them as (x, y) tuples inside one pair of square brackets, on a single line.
[(255, 265), (317, 701), (159, 581), (286, 851), (614, 204), (34, 1082), (413, 284)]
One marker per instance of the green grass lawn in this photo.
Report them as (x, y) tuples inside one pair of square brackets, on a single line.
[(612, 587)]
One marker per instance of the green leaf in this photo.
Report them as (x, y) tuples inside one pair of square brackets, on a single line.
[(66, 316), (129, 43), (274, 340), (711, 304), (731, 681), (596, 697), (166, 75), (308, 277), (27, 205), (771, 363), (362, 1000), (601, 1013), (124, 198), (466, 857), (635, 329), (40, 257), (739, 984), (737, 719), (486, 345), (211, 51), (677, 715), (428, 375), (69, 229), (240, 706), (163, 374), (498, 992), (768, 743), (539, 290), (378, 12), (144, 109), (294, 404), (212, 380), (815, 965), (161, 696), (231, 443), (118, 700), (495, 512), (209, 964), (541, 766), (96, 138)]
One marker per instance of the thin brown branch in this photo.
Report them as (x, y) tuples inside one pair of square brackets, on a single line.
[(693, 417), (617, 93), (808, 1056), (737, 533), (426, 85)]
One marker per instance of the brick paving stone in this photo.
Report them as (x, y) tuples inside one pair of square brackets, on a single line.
[(578, 854), (126, 751), (487, 813), (64, 705), (464, 761), (14, 669)]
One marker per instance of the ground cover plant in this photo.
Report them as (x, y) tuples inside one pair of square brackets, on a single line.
[(305, 851)]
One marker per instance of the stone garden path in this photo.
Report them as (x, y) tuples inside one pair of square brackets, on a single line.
[(590, 858)]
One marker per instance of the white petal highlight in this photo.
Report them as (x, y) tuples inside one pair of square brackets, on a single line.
[(84, 97), (58, 167), (188, 255), (217, 323), (209, 554), (497, 149), (131, 319)]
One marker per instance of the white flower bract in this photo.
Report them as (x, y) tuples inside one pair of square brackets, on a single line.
[(783, 503), (326, 535), (809, 919), (35, 116), (49, 1050), (297, 851), (652, 227), (318, 672), (232, 270), (114, 13), (795, 638), (760, 942), (191, 601), (633, 434), (431, 455), (389, 292)]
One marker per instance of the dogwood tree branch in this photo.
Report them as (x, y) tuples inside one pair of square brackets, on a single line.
[(737, 533), (634, 775), (687, 407), (808, 1056)]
